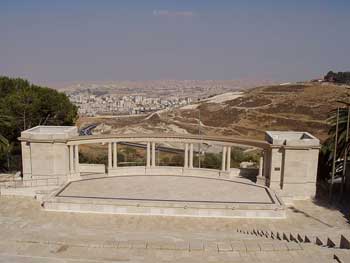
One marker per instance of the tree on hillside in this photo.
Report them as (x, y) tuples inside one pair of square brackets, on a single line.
[(5, 146), (339, 77), (24, 105)]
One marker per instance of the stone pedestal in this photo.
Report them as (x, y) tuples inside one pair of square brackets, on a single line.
[(45, 153), (293, 160)]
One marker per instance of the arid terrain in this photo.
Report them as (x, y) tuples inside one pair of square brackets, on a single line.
[(303, 106)]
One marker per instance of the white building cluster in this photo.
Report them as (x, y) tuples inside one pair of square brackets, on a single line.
[(109, 104)]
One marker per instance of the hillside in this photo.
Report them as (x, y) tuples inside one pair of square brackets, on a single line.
[(281, 107)]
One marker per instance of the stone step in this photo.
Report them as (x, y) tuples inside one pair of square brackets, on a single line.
[(342, 256), (323, 240), (345, 241)]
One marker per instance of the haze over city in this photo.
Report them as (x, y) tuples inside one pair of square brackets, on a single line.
[(67, 41)]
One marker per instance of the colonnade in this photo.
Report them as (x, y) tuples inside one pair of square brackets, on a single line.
[(151, 157)]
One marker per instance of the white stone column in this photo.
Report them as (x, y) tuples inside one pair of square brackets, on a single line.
[(148, 154), (115, 157), (223, 161), (109, 155), (261, 179), (76, 157), (228, 160), (153, 154), (261, 164), (191, 155), (71, 159), (186, 156)]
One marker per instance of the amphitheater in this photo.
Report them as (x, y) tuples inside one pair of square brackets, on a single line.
[(65, 210)]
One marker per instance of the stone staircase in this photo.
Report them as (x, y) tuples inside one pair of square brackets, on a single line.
[(340, 243)]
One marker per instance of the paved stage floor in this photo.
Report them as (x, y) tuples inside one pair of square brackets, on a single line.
[(169, 188)]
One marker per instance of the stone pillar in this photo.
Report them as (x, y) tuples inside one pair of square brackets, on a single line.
[(186, 156), (109, 155), (228, 160), (115, 157), (71, 159), (191, 155), (261, 179), (148, 154), (27, 161), (153, 154), (76, 157), (223, 161), (261, 164)]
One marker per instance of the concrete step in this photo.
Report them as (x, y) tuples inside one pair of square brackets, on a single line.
[(345, 241), (342, 256)]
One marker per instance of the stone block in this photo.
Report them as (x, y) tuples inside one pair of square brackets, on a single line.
[(124, 244), (224, 246), (330, 243), (211, 246), (154, 244), (182, 245), (196, 245), (293, 246), (280, 246), (238, 246), (252, 246), (266, 246), (139, 244), (168, 245)]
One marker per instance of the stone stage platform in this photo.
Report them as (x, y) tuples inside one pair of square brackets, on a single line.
[(168, 196)]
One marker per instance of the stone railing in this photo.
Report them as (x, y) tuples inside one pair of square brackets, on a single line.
[(151, 142)]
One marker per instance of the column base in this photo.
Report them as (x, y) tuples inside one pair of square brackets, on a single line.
[(260, 180), (74, 177)]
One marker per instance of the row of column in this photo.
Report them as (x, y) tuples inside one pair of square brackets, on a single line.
[(226, 157), (151, 156), (188, 162), (112, 154), (74, 159)]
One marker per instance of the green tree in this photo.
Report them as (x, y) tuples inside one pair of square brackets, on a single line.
[(339, 77), (24, 105), (328, 146)]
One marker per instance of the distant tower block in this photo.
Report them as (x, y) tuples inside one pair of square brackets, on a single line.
[(292, 163), (45, 152)]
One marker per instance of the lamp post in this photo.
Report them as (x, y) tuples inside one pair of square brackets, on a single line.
[(199, 134)]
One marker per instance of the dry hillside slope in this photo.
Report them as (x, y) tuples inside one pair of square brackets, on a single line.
[(298, 107)]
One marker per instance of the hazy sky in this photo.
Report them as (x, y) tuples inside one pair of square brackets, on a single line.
[(68, 40)]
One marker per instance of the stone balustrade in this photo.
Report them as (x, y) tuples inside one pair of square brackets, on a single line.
[(151, 145)]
